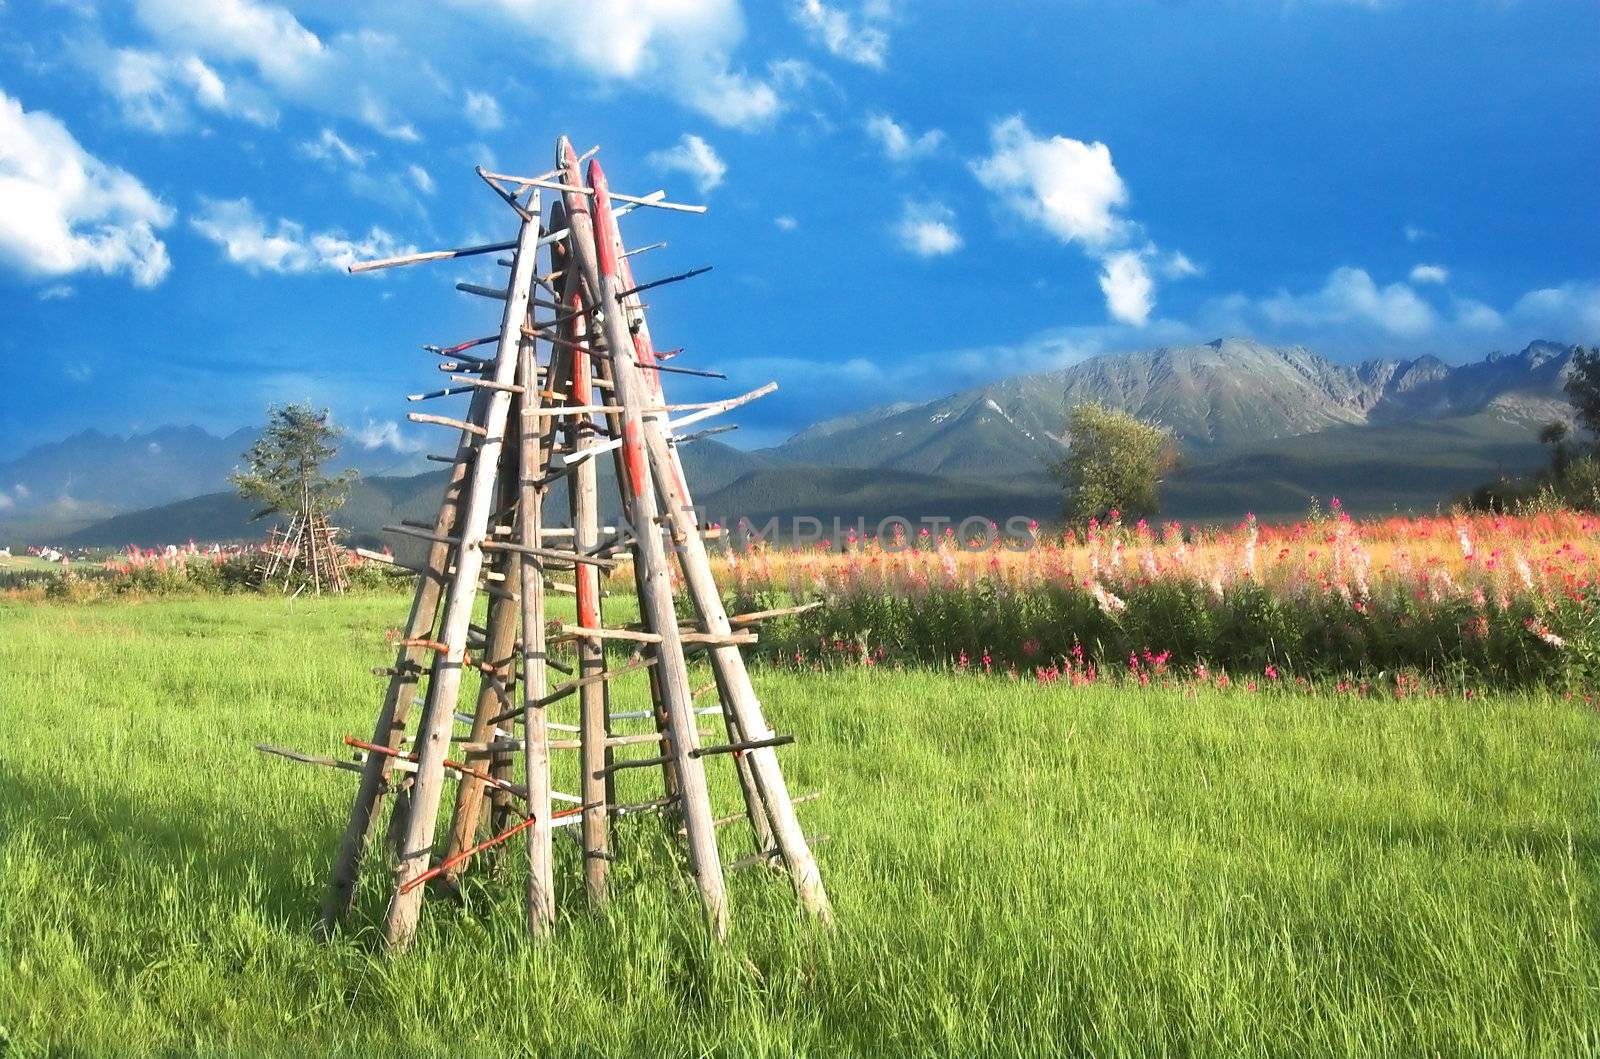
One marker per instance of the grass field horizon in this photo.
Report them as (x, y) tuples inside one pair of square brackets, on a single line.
[(1017, 869)]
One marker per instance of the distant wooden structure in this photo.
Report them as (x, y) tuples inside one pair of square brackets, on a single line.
[(305, 554), (569, 377)]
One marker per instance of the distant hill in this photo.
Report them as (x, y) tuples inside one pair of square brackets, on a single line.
[(1261, 429), (91, 475), (1231, 394)]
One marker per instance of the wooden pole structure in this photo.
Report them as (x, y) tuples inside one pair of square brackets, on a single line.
[(527, 427)]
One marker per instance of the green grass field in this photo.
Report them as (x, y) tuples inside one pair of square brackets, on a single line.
[(1017, 870)]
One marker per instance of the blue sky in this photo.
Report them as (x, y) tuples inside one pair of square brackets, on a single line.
[(905, 198)]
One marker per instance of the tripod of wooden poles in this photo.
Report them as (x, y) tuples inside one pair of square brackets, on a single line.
[(571, 377), (307, 550)]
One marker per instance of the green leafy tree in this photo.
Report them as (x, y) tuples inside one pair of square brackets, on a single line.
[(1556, 434), (1583, 388), (1114, 461), (284, 467)]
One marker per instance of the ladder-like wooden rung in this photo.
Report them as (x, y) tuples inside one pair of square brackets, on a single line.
[(308, 759), (639, 715), (716, 639), (779, 612), (445, 421), (569, 633), (642, 807), (734, 818), (742, 747), (473, 382), (555, 554), (767, 856), (635, 763)]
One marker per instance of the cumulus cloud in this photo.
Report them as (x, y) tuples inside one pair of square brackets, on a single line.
[(419, 176), (863, 41), (1067, 185), (483, 111), (362, 75), (1073, 191), (927, 229), (1430, 274), (785, 222), (249, 240), (898, 144), (62, 210), (1350, 296), (1129, 290), (1352, 313), (693, 156), (681, 47)]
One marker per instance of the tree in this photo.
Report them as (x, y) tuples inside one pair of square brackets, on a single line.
[(1555, 434), (1115, 461), (284, 471), (1583, 388)]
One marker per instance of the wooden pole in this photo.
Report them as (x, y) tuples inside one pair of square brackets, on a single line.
[(583, 503), (397, 700), (433, 736), (535, 729), (598, 261), (500, 637)]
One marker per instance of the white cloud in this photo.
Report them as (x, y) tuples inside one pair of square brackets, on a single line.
[(384, 434), (57, 292), (264, 35), (898, 144), (158, 92), (1351, 297), (79, 372), (1430, 274), (5, 501), (1569, 313), (864, 42), (927, 229), (62, 210), (693, 156), (680, 47), (483, 111), (1414, 234), (1073, 190), (250, 241), (363, 75), (1129, 290), (785, 222), (1067, 185), (420, 177), (330, 147)]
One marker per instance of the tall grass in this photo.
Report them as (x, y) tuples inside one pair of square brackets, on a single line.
[(1017, 870)]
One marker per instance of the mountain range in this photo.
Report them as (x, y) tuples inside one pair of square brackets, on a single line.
[(1263, 428)]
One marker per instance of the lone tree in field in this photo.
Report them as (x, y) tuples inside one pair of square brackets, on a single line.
[(1115, 461), (284, 473)]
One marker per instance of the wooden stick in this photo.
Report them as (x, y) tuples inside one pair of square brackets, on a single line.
[(578, 189), (445, 421), (429, 255)]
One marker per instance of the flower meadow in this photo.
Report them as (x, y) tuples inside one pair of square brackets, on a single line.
[(1401, 605)]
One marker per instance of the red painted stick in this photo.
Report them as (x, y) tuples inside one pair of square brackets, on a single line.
[(446, 865)]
